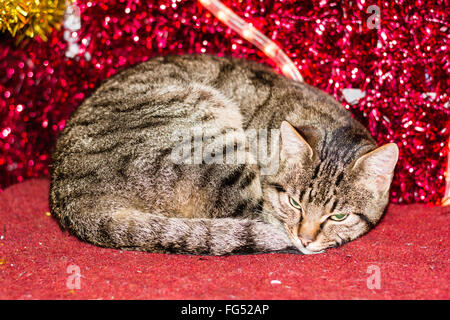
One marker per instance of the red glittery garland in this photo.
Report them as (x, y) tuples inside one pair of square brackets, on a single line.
[(402, 67)]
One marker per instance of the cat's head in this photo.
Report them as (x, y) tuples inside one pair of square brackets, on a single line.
[(330, 188)]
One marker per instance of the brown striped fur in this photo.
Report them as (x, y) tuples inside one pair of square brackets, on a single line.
[(113, 183)]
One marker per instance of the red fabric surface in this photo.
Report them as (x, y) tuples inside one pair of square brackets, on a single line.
[(410, 247)]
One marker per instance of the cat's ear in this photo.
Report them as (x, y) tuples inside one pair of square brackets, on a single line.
[(293, 145), (377, 167)]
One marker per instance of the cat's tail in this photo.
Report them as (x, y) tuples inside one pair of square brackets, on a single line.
[(137, 230)]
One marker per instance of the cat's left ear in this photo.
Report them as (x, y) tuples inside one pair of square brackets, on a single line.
[(293, 145), (378, 167)]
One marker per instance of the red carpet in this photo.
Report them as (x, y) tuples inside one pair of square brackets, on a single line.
[(410, 247)]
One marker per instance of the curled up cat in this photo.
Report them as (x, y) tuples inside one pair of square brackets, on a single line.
[(199, 154)]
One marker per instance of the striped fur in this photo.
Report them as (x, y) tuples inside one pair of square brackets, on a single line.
[(113, 182)]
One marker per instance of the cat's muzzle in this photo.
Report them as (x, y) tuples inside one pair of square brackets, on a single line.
[(292, 232)]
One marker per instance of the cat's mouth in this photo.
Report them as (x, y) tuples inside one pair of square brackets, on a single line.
[(292, 232)]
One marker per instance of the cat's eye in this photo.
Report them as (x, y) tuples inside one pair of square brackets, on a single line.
[(294, 203), (339, 216)]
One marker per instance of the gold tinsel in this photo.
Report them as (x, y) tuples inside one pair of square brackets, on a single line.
[(30, 18)]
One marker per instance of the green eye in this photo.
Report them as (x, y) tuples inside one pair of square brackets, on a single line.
[(294, 203), (339, 216)]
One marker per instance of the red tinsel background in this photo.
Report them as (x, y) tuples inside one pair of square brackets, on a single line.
[(402, 67)]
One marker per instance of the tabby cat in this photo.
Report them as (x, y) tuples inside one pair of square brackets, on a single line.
[(115, 183)]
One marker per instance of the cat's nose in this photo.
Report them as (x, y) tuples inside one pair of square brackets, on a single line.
[(308, 232), (304, 241)]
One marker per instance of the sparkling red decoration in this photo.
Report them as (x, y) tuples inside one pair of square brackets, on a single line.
[(402, 67)]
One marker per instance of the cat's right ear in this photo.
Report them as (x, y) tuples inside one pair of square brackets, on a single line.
[(293, 145), (378, 167)]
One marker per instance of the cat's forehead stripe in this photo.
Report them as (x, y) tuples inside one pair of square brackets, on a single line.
[(339, 178), (333, 207)]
